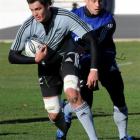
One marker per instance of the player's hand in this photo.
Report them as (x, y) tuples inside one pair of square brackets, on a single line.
[(41, 54), (92, 78)]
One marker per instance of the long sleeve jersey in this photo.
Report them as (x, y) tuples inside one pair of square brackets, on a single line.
[(103, 26), (52, 33)]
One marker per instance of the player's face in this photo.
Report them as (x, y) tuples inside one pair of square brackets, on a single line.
[(94, 6), (39, 11)]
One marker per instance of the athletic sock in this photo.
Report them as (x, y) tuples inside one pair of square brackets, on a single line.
[(120, 118), (85, 117), (68, 112)]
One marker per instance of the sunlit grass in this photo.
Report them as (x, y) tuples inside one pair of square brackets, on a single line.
[(22, 114)]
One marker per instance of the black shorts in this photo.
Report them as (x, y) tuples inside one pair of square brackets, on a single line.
[(51, 75), (50, 79)]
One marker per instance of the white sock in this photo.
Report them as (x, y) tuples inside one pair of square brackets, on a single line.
[(120, 118), (85, 117), (68, 112)]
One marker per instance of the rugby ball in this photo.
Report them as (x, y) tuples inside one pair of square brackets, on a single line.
[(31, 47)]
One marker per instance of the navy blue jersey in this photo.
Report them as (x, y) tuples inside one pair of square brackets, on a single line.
[(104, 27)]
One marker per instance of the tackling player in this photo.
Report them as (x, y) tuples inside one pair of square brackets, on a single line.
[(110, 77)]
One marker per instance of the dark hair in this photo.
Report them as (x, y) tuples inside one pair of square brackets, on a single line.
[(43, 2)]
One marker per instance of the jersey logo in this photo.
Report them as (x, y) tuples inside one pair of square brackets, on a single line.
[(68, 60), (110, 25)]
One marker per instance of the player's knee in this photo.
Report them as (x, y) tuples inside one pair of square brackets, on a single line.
[(53, 117), (74, 97), (73, 100), (72, 90), (71, 82), (53, 107), (56, 117)]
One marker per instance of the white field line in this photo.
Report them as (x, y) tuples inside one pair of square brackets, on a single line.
[(126, 39), (116, 40), (125, 64)]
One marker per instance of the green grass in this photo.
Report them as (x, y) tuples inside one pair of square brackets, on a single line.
[(22, 115)]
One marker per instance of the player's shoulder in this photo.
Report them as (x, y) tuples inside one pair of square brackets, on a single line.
[(29, 20), (27, 24), (79, 10), (60, 11), (106, 14), (106, 17), (68, 16)]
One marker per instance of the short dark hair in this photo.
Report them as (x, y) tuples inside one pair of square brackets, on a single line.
[(43, 2)]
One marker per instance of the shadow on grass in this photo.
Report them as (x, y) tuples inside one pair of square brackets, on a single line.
[(28, 120), (44, 119), (116, 138), (109, 138), (6, 134), (24, 133)]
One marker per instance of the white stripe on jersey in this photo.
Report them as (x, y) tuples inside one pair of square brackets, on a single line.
[(62, 23)]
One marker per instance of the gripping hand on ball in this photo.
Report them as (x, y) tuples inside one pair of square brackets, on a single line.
[(41, 54)]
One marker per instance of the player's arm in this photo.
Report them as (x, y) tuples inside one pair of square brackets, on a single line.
[(88, 38), (15, 54), (16, 57), (106, 32), (93, 75)]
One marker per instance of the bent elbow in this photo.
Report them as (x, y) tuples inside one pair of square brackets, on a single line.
[(11, 57)]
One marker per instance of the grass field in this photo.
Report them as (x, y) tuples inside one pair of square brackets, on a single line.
[(22, 115)]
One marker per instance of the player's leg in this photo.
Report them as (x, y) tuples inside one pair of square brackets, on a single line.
[(51, 87), (87, 95), (113, 82), (67, 110), (72, 90)]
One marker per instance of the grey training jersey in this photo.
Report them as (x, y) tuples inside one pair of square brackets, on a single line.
[(62, 23)]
